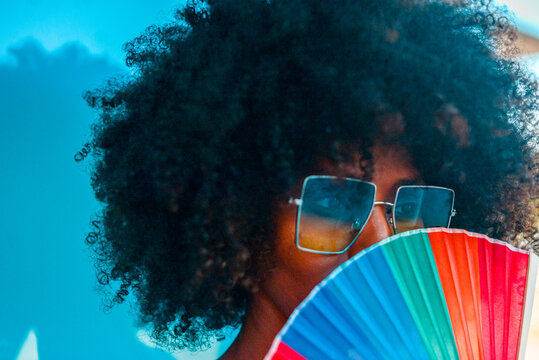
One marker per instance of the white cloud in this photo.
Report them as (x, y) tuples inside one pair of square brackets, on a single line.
[(532, 62), (29, 348)]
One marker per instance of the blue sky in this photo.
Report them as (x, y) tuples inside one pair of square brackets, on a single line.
[(51, 55), (46, 276), (46, 202)]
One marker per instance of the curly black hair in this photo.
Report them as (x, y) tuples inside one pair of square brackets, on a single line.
[(230, 104)]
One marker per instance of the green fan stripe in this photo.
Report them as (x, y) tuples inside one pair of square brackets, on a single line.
[(414, 268)]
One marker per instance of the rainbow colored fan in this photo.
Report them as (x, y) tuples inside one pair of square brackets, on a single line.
[(424, 294)]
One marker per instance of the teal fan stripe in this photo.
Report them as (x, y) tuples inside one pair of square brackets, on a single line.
[(414, 268)]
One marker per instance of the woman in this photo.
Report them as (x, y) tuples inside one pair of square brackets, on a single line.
[(232, 107)]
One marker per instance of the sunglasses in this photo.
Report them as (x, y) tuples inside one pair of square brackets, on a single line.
[(332, 211)]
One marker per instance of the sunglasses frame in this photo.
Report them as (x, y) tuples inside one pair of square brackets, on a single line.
[(391, 221), (452, 211)]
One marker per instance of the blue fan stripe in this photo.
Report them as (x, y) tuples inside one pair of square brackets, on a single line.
[(306, 339), (399, 325), (365, 317)]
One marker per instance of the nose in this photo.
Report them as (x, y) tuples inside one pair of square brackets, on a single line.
[(376, 229), (380, 225)]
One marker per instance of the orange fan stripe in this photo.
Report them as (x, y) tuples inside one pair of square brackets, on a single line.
[(461, 286)]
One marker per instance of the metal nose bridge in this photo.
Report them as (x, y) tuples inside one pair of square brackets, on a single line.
[(355, 225), (389, 219)]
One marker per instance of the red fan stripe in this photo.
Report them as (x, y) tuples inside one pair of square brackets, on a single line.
[(285, 352), (503, 283)]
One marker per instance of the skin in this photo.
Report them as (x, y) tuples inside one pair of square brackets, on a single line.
[(297, 272)]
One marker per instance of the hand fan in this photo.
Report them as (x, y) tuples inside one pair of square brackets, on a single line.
[(424, 294)]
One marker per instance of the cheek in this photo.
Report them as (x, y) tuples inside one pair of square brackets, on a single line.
[(297, 272), (369, 236), (297, 261)]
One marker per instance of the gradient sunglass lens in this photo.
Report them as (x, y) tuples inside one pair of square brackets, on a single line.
[(419, 207), (333, 212)]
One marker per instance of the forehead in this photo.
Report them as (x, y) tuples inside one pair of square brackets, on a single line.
[(387, 162), (393, 161)]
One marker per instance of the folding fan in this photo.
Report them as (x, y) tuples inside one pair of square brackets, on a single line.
[(424, 294)]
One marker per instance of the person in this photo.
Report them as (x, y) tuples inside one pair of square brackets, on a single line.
[(209, 149)]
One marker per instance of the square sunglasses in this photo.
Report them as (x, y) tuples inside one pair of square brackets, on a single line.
[(332, 211)]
